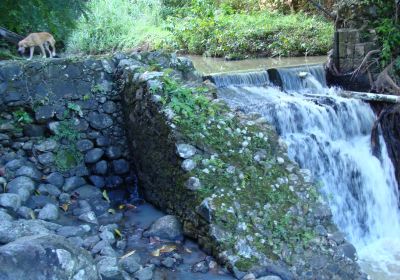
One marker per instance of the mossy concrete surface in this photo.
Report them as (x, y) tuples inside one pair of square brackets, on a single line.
[(227, 176)]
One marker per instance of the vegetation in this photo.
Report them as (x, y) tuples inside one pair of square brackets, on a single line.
[(54, 16), (231, 175), (199, 27)]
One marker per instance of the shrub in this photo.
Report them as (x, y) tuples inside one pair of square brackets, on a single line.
[(116, 25)]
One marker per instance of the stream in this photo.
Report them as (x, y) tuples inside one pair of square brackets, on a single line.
[(330, 136)]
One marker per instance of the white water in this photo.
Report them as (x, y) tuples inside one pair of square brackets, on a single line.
[(330, 136)]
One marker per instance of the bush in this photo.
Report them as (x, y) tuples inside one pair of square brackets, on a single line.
[(117, 25), (261, 33), (54, 16)]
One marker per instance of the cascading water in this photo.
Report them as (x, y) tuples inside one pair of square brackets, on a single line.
[(330, 135)]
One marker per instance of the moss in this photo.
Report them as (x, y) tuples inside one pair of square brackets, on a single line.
[(66, 159), (246, 264), (251, 198)]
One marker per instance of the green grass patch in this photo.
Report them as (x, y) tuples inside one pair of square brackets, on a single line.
[(257, 34)]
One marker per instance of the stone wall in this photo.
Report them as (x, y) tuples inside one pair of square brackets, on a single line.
[(66, 116), (351, 46)]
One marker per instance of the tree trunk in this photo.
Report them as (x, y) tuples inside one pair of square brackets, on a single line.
[(10, 36)]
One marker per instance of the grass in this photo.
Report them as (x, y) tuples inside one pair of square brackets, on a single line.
[(116, 25), (126, 24), (257, 34)]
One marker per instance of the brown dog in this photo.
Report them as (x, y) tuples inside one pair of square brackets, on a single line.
[(41, 39)]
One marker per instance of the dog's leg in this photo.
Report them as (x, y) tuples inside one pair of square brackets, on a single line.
[(53, 47), (31, 49), (43, 51), (46, 45)]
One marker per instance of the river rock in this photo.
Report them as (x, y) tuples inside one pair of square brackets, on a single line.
[(188, 165), (23, 186), (10, 200), (130, 264), (30, 172), (55, 179), (144, 273), (108, 267), (84, 145), (46, 146), (185, 150), (45, 257), (94, 155), (193, 184), (73, 183), (166, 228), (99, 121), (49, 212)]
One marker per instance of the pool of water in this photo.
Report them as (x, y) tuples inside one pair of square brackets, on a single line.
[(209, 65)]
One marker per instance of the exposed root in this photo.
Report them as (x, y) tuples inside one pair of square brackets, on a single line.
[(363, 66), (385, 83)]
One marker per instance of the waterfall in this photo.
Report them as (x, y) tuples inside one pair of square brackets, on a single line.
[(241, 79), (330, 135)]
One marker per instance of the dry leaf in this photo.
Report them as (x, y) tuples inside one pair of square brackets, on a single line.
[(188, 250), (105, 196), (32, 214), (118, 233), (127, 254), (163, 249), (111, 211), (122, 206), (64, 207)]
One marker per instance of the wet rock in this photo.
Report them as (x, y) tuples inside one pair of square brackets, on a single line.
[(108, 267), (23, 186), (4, 216), (280, 160), (97, 181), (120, 166), (46, 146), (108, 236), (205, 209), (185, 150), (168, 262), (113, 181), (145, 273), (25, 212), (49, 189), (4, 137), (30, 172), (55, 179), (14, 164), (102, 141), (249, 276), (46, 158), (76, 241), (73, 183), (348, 251), (84, 145), (130, 264), (45, 113), (270, 277), (193, 184), (101, 167), (109, 107), (188, 165), (166, 228), (10, 231), (201, 267), (94, 155), (70, 231), (10, 201), (113, 152), (34, 130), (89, 192), (89, 217), (99, 121), (100, 245), (91, 241), (45, 257), (49, 212)]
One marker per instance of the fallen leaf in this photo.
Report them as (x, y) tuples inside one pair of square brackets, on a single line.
[(32, 214), (111, 211), (118, 233), (64, 207), (127, 254), (122, 206), (188, 250), (105, 196), (37, 192), (163, 249)]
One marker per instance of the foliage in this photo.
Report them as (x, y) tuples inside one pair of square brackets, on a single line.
[(67, 158), (261, 33), (54, 16), (116, 25), (22, 116)]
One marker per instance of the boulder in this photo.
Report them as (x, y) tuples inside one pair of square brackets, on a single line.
[(166, 228), (45, 257)]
